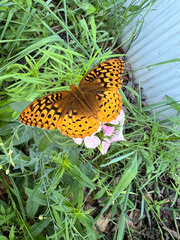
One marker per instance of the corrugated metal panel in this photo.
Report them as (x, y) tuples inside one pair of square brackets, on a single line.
[(159, 40)]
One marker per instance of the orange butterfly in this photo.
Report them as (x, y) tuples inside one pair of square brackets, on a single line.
[(79, 112)]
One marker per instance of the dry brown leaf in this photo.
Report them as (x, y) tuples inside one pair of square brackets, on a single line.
[(102, 222), (175, 234), (134, 215)]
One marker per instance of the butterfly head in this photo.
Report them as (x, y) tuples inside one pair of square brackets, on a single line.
[(74, 88)]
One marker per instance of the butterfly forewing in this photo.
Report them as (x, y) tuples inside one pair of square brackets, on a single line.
[(107, 74), (46, 111)]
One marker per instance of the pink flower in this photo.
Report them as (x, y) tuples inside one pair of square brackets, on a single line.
[(105, 146), (92, 141), (118, 136), (108, 130), (78, 140)]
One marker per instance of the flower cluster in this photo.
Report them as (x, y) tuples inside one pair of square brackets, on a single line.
[(111, 134)]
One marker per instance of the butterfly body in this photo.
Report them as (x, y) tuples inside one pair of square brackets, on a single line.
[(79, 112)]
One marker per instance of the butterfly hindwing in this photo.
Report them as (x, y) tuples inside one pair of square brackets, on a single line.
[(107, 104), (79, 120)]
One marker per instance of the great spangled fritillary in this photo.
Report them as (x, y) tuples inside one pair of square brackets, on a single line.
[(79, 112)]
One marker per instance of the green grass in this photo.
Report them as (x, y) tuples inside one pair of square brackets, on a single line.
[(50, 187)]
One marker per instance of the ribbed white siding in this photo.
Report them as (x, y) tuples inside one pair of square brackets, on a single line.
[(159, 40)]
